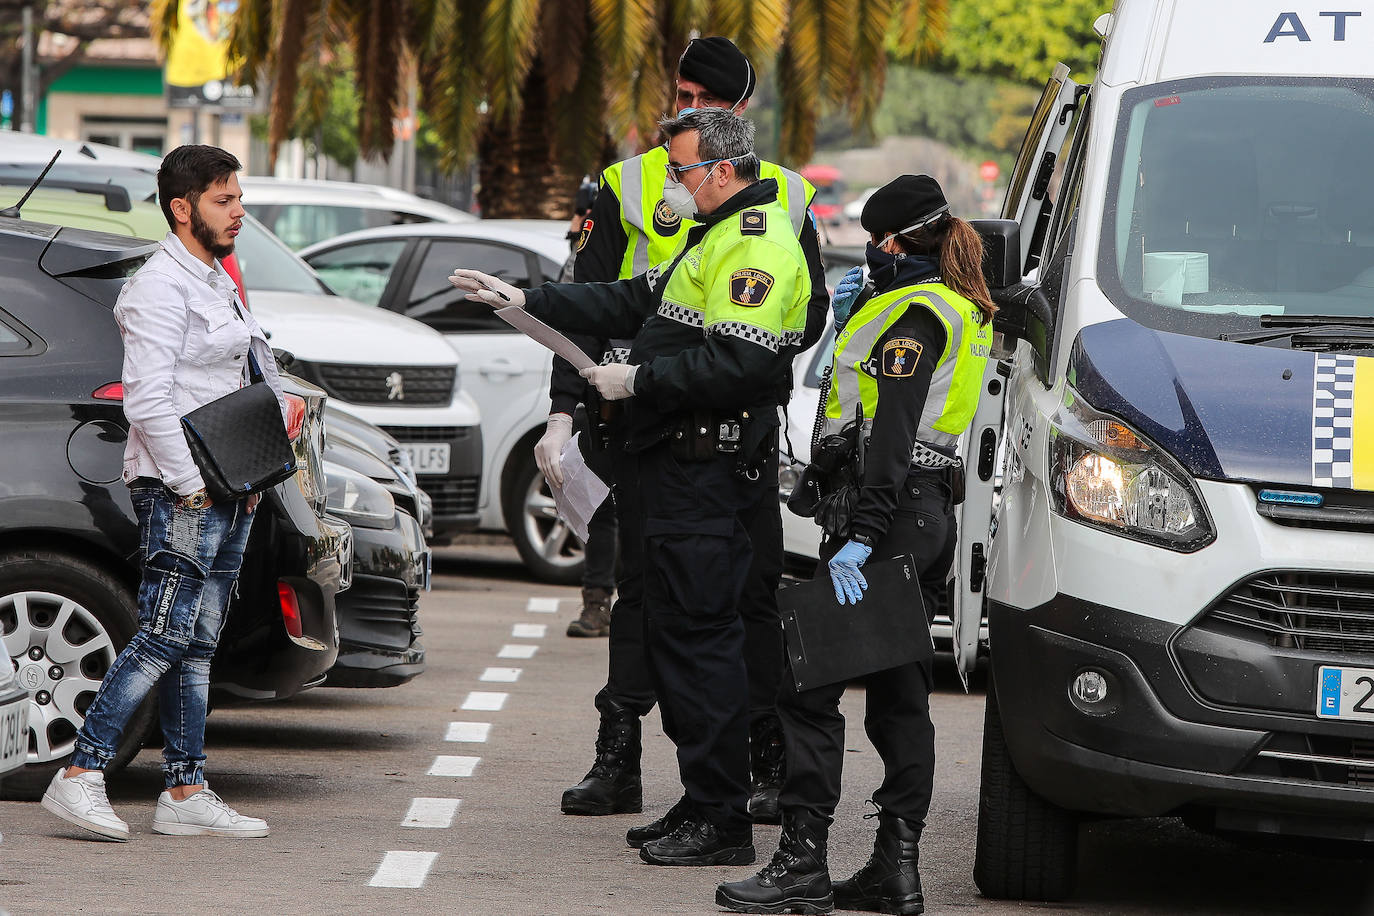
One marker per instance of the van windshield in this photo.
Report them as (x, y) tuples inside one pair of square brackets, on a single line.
[(1232, 198)]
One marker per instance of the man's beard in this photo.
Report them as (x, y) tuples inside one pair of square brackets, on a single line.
[(201, 232)]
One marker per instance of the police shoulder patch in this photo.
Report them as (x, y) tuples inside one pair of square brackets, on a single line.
[(900, 356), (749, 287), (587, 227), (753, 222)]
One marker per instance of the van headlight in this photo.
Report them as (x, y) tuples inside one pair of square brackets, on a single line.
[(357, 499), (1105, 474)]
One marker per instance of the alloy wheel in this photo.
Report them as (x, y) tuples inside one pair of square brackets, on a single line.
[(545, 531)]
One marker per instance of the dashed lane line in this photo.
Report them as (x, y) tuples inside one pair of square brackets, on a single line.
[(431, 812), (517, 650), (501, 675), (483, 701), (403, 868), (445, 765), (543, 606), (469, 732), (529, 630)]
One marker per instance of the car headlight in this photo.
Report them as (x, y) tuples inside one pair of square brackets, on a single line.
[(358, 499), (1105, 474)]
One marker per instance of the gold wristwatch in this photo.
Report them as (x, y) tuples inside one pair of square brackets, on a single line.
[(197, 500)]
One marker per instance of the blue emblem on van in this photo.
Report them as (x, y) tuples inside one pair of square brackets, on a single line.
[(1290, 498)]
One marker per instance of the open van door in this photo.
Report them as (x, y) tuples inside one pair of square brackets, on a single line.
[(1013, 246)]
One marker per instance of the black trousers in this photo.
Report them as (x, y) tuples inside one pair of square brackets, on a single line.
[(599, 553), (628, 683), (897, 701)]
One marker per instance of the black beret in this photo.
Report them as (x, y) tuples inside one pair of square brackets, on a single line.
[(902, 202), (719, 66)]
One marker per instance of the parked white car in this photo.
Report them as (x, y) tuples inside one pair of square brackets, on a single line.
[(404, 269), (301, 213)]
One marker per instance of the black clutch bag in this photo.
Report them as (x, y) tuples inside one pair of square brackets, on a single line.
[(239, 442)]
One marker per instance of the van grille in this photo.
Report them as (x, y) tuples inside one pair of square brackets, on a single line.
[(1332, 612), (397, 386)]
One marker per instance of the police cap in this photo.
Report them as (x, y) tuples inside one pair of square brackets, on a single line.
[(718, 65), (903, 202)]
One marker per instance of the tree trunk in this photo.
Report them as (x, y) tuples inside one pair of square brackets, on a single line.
[(520, 173)]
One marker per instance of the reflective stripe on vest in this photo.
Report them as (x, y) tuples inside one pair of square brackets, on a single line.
[(638, 183), (954, 385)]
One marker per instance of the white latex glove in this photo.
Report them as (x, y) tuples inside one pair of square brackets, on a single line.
[(482, 287), (614, 382), (548, 451)]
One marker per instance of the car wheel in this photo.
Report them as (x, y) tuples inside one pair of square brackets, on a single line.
[(547, 545), (1026, 848), (64, 620)]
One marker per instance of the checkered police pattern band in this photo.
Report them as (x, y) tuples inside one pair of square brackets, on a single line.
[(792, 338), (675, 312), (1333, 411), (747, 332), (615, 355)]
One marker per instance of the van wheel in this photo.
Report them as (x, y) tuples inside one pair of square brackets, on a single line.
[(64, 620), (1027, 848), (549, 549)]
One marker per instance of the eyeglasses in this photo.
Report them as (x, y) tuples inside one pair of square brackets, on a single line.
[(676, 172)]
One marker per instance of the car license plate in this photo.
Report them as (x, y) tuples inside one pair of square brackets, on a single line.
[(14, 734), (429, 457), (1345, 693)]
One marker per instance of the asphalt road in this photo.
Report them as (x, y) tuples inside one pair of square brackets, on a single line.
[(339, 773)]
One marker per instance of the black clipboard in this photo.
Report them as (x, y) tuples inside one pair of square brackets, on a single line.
[(828, 642)]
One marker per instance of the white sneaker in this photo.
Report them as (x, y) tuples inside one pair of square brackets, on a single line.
[(81, 800), (201, 814)]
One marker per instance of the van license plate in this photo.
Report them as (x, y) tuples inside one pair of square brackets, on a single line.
[(429, 457), (14, 734), (1345, 693)]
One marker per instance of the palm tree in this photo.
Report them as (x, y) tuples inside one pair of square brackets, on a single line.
[(538, 90)]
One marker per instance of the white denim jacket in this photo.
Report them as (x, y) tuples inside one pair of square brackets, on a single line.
[(184, 346)]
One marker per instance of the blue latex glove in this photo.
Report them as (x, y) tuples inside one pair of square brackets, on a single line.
[(844, 572), (846, 291)]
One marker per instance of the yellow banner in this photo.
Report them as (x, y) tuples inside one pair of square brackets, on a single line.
[(200, 47)]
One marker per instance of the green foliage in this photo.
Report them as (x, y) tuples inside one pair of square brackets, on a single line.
[(326, 113), (1023, 39)]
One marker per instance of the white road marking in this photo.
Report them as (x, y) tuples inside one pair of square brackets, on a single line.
[(431, 812), (516, 650), (503, 675), (403, 868), (485, 702), (454, 766), (529, 630), (543, 606), (471, 732)]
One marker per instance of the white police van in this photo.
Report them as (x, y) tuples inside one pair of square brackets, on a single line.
[(1179, 575)]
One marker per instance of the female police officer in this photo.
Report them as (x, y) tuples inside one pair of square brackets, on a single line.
[(912, 356)]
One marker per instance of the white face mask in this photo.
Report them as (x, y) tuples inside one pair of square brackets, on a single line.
[(681, 201)]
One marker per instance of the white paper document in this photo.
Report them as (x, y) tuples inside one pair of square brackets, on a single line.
[(582, 492), (541, 333)]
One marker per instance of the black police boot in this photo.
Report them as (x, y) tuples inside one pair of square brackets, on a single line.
[(889, 881), (612, 785), (767, 765), (796, 881), (658, 829), (697, 841)]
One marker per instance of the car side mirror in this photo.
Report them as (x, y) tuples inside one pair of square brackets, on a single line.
[(1016, 301)]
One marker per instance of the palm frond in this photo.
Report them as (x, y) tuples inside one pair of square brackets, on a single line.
[(378, 48), (757, 26), (800, 76), (290, 44), (839, 35), (868, 74), (318, 74), (424, 23), (622, 31), (250, 38), (162, 22), (564, 42), (509, 31), (923, 24), (450, 89)]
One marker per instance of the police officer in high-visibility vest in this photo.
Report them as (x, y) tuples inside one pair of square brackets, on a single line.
[(632, 226), (912, 356), (715, 328)]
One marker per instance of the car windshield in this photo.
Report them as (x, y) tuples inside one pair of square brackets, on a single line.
[(1233, 198), (269, 265)]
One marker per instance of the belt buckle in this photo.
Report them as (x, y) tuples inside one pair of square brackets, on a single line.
[(727, 436)]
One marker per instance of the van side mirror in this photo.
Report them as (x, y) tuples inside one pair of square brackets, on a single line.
[(1002, 270)]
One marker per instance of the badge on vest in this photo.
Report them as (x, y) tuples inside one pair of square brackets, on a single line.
[(900, 356), (586, 234), (749, 287), (753, 222), (665, 220)]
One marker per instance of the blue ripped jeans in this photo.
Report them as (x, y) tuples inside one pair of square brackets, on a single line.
[(191, 560)]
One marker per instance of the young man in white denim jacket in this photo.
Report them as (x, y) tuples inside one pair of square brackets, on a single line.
[(187, 341)]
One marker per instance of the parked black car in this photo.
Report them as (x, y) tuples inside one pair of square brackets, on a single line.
[(68, 536), (379, 625)]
